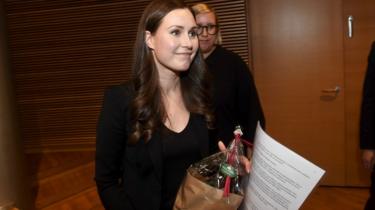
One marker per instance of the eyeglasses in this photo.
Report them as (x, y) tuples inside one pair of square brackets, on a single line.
[(210, 29)]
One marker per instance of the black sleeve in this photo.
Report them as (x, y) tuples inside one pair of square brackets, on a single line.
[(367, 122), (249, 106), (110, 148)]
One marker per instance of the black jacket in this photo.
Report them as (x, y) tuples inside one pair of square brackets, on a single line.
[(128, 177), (235, 98), (367, 123)]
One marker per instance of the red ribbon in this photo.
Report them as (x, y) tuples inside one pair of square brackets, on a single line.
[(231, 157)]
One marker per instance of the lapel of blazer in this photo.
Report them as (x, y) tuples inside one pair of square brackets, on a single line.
[(154, 147), (202, 134), (150, 152)]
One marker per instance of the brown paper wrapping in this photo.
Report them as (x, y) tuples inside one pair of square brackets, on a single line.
[(197, 195)]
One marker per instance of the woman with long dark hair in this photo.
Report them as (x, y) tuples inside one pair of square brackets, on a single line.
[(153, 127)]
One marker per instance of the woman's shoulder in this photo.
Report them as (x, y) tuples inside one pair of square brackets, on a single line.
[(223, 57), (125, 89), (120, 94), (227, 53)]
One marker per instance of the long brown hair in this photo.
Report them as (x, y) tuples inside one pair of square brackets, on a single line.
[(147, 109)]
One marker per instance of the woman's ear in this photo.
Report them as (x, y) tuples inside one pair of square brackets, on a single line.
[(149, 40)]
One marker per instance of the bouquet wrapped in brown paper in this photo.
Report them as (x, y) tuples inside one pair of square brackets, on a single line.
[(213, 183)]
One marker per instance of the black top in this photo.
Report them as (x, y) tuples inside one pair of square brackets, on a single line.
[(367, 128), (180, 150), (131, 176), (236, 99)]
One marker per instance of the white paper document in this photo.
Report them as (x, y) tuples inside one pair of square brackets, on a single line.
[(279, 178)]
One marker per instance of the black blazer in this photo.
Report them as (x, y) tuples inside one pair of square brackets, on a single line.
[(367, 124), (129, 176), (236, 98)]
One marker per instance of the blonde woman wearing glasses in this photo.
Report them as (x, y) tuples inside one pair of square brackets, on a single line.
[(235, 96)]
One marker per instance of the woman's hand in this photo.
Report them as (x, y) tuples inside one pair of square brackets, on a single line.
[(368, 158), (243, 159)]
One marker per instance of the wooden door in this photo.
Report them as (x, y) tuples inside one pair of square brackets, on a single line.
[(355, 58), (297, 49)]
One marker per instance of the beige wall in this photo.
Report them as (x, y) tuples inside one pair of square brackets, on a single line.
[(14, 186)]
